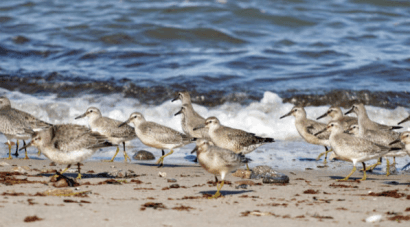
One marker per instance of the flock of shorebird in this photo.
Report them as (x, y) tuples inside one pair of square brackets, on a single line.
[(220, 149)]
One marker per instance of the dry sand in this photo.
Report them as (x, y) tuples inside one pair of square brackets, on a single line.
[(312, 198)]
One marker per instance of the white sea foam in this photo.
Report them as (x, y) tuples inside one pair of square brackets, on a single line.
[(261, 118)]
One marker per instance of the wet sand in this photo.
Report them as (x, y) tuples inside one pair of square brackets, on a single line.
[(311, 198)]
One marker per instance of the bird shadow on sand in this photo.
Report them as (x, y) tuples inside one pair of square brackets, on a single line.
[(226, 192), (167, 165), (396, 183), (351, 179), (308, 159)]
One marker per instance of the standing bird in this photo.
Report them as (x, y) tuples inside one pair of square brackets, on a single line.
[(13, 121), (375, 132), (190, 119), (233, 139), (156, 135), (353, 149), (218, 161), (382, 138), (364, 121), (337, 115), (109, 128), (405, 139), (68, 144), (307, 129)]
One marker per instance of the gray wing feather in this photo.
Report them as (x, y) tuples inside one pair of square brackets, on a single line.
[(361, 145), (314, 127), (11, 125), (70, 137), (228, 157), (164, 134), (109, 127)]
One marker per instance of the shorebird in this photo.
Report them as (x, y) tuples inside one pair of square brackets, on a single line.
[(307, 129), (233, 139), (218, 161), (405, 139), (353, 149), (109, 128), (364, 121), (190, 119), (381, 137), (156, 135), (12, 123), (68, 144), (337, 115)]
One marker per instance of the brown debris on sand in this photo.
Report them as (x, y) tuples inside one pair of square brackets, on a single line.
[(392, 193), (32, 218)]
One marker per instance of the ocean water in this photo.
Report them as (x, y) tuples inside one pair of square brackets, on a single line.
[(245, 62)]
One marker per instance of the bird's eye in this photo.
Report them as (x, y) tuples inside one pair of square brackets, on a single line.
[(295, 110)]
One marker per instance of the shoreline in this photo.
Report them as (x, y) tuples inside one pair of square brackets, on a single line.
[(311, 198)]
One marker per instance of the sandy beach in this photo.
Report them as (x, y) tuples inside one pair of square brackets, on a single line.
[(142, 198)]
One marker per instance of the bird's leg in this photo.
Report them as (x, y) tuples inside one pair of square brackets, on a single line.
[(64, 170), (118, 150), (161, 159), (325, 154), (247, 167), (347, 177), (25, 149), (387, 167), (39, 152), (394, 160), (16, 154), (126, 157), (9, 143), (79, 171), (218, 188), (371, 167), (364, 172)]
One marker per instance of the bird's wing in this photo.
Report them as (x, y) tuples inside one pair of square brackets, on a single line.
[(313, 127), (109, 127), (70, 137), (163, 133)]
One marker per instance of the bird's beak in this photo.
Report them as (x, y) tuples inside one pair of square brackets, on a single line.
[(322, 116), (194, 150), (81, 116), (406, 119), (175, 99), (288, 114), (351, 110), (199, 127), (394, 142), (179, 112), (321, 131), (27, 145), (124, 123)]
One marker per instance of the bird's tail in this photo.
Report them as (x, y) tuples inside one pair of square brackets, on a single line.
[(244, 159), (265, 140)]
